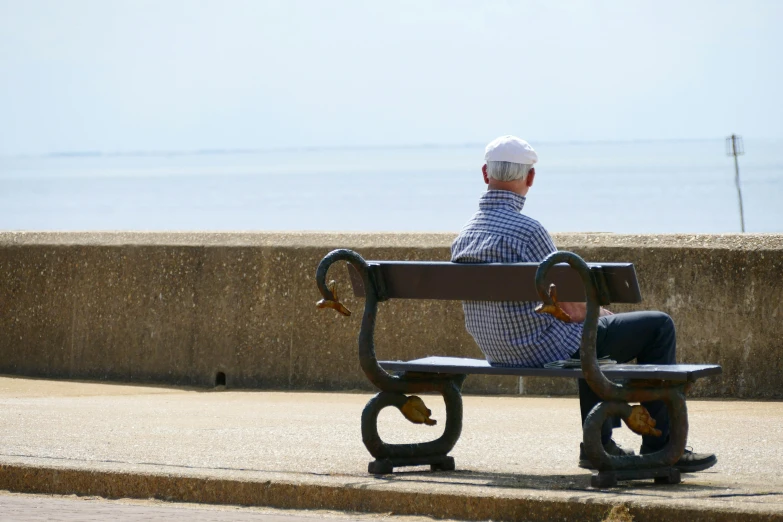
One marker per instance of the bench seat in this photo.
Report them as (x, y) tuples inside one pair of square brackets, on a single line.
[(463, 366)]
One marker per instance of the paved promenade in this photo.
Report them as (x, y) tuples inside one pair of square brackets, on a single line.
[(516, 458), (25, 507)]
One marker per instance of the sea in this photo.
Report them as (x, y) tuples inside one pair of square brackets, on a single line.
[(623, 187)]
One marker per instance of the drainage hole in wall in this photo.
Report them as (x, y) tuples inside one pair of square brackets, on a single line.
[(220, 379)]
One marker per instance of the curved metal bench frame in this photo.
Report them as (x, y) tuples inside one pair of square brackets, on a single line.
[(615, 396)]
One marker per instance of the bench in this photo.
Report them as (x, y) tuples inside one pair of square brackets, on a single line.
[(562, 274)]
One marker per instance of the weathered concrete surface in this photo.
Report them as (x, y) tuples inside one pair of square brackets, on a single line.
[(30, 507), (516, 459), (178, 308)]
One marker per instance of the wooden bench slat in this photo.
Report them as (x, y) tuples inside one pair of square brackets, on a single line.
[(458, 365), (493, 281)]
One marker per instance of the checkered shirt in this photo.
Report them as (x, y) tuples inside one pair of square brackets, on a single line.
[(511, 333)]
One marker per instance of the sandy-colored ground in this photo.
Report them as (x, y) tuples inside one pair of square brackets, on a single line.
[(511, 447)]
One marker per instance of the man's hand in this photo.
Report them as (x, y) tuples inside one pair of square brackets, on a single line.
[(577, 311)]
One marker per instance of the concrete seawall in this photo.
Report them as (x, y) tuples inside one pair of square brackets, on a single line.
[(179, 308)]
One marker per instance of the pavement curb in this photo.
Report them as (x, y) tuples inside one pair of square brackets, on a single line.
[(359, 497)]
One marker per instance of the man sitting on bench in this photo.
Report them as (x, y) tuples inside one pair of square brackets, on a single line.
[(513, 334)]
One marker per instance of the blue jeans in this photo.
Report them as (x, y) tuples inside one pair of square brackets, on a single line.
[(648, 337)]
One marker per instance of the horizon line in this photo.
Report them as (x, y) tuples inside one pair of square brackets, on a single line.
[(317, 148)]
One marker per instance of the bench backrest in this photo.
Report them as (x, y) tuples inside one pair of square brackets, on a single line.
[(493, 281)]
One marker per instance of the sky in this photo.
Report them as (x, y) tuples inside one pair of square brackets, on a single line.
[(165, 75)]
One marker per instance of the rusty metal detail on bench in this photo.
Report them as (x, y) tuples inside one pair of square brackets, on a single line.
[(658, 465), (394, 387)]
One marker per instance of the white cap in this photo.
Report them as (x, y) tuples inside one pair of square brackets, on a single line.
[(511, 149)]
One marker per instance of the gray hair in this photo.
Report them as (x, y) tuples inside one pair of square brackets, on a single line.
[(507, 171)]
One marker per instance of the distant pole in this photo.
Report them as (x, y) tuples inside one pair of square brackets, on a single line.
[(734, 147)]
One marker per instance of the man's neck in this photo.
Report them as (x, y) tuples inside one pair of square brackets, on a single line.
[(518, 186)]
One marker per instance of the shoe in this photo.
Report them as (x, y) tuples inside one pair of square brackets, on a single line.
[(610, 447), (690, 462)]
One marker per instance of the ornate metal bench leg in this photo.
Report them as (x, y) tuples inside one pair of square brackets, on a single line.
[(657, 466), (433, 453), (395, 387)]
